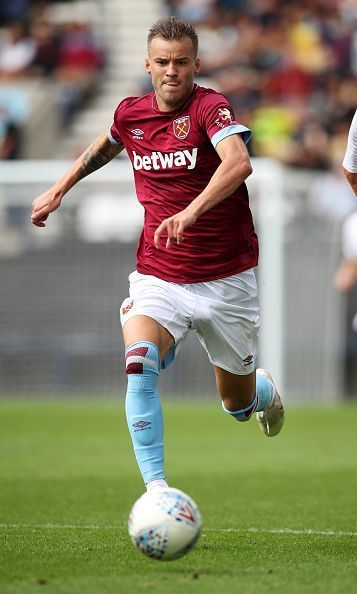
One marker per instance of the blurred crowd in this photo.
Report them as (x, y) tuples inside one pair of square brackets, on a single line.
[(36, 45), (289, 68)]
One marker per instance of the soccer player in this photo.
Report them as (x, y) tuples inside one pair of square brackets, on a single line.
[(349, 164), (198, 247), (346, 275)]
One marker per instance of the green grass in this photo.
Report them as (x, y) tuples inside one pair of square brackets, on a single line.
[(69, 478)]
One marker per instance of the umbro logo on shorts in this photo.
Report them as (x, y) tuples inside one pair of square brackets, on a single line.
[(158, 160), (248, 360)]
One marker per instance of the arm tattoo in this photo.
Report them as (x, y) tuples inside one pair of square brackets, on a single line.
[(94, 159)]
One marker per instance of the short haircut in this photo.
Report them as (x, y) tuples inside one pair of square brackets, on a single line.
[(171, 27)]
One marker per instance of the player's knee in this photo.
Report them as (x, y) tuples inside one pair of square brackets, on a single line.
[(240, 414), (142, 358)]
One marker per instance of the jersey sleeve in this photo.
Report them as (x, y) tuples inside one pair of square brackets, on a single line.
[(217, 119), (350, 159), (114, 133)]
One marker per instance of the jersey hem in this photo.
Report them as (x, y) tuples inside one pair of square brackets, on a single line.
[(204, 279)]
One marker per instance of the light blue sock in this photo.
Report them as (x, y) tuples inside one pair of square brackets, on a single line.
[(263, 396), (143, 408), (243, 414), (264, 392)]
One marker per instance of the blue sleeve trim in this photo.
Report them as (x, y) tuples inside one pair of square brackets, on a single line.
[(112, 140), (235, 129)]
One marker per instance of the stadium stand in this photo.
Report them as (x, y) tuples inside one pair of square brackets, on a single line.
[(289, 68)]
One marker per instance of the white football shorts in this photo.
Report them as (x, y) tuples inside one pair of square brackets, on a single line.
[(224, 314)]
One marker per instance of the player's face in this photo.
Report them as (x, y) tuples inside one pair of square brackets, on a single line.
[(172, 66)]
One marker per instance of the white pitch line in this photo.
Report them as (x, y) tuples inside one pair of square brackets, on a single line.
[(60, 526), (305, 532)]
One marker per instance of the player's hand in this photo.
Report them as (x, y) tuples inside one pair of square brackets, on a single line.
[(174, 227), (43, 205), (346, 276)]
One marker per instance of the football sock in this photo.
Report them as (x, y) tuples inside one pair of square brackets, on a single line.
[(262, 398), (265, 392), (169, 357), (143, 408), (243, 414)]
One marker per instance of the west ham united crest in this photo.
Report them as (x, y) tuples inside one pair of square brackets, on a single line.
[(181, 127)]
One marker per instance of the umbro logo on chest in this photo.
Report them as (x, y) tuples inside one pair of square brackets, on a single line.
[(137, 134)]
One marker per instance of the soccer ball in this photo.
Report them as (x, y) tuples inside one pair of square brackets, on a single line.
[(164, 524)]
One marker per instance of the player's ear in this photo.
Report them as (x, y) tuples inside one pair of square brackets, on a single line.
[(197, 65), (147, 65)]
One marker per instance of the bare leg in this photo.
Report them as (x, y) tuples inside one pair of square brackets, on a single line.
[(145, 328), (243, 394), (237, 391)]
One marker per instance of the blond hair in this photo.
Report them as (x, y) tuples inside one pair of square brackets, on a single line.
[(172, 28)]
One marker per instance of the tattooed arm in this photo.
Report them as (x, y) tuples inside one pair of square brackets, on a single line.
[(99, 153)]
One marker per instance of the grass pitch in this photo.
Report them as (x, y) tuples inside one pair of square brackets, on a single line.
[(279, 514)]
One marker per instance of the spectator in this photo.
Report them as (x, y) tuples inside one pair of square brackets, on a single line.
[(273, 125), (17, 51), (46, 42), (13, 111), (39, 41), (13, 10), (191, 10), (80, 60), (9, 140)]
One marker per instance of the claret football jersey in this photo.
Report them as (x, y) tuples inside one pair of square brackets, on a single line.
[(173, 157)]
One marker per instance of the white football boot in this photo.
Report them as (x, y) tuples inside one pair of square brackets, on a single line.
[(156, 484), (271, 419)]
